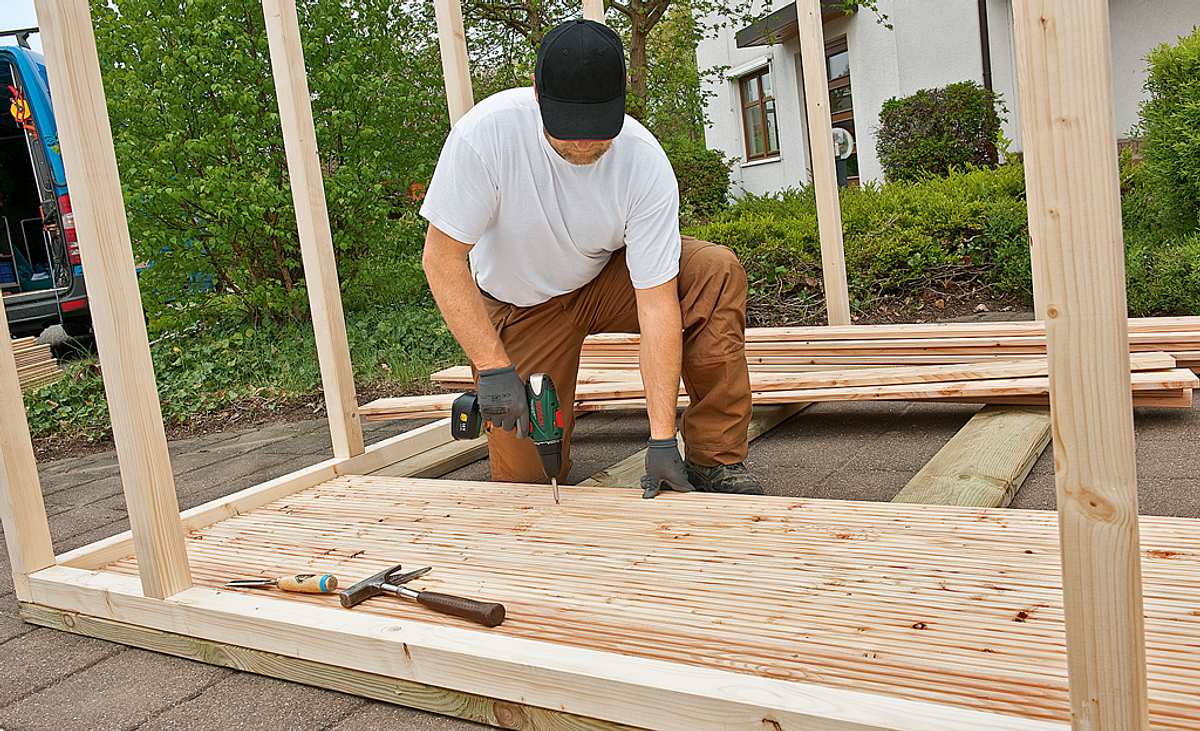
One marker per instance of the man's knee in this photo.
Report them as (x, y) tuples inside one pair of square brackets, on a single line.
[(713, 264)]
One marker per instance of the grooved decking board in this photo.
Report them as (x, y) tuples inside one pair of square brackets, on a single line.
[(951, 605), (984, 464)]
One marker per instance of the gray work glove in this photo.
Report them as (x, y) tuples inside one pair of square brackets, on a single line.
[(503, 401), (664, 468)]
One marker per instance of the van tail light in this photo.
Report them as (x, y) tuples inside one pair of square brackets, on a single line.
[(74, 305), (67, 219)]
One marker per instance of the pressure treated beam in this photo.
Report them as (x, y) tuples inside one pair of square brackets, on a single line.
[(824, 173), (312, 221), (113, 295), (1064, 51), (985, 463), (22, 511), (467, 706), (456, 69)]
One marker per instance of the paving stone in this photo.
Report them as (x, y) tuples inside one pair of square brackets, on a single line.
[(11, 625), (252, 702), (66, 526), (378, 716), (83, 495), (118, 693), (38, 659)]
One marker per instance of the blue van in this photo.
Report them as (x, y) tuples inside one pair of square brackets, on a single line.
[(41, 275)]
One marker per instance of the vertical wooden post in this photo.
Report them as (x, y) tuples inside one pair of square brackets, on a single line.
[(594, 10), (22, 512), (824, 172), (455, 67), (114, 298), (312, 221), (1027, 72), (1075, 216)]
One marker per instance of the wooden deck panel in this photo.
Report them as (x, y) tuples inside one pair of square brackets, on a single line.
[(952, 606)]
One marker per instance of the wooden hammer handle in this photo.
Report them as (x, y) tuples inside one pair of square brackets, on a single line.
[(308, 583), (489, 614)]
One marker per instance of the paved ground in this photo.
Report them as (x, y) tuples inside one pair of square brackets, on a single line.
[(48, 679)]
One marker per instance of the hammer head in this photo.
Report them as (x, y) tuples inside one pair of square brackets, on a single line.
[(367, 588)]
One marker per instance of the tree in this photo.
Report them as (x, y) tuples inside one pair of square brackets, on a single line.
[(197, 133)]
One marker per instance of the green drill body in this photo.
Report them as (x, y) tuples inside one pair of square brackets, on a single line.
[(546, 424)]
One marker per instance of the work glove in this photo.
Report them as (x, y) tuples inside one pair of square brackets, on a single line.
[(502, 400), (664, 468)]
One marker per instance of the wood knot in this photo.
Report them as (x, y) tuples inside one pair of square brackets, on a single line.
[(510, 715), (1051, 312), (920, 625), (771, 724)]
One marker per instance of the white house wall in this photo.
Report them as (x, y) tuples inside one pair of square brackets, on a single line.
[(932, 43)]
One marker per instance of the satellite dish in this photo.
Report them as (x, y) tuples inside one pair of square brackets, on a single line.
[(843, 143)]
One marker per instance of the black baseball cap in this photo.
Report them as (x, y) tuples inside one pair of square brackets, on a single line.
[(580, 78)]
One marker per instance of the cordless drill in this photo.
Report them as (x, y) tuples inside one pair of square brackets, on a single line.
[(545, 422)]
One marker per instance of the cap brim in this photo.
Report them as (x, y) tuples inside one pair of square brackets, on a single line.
[(583, 120)]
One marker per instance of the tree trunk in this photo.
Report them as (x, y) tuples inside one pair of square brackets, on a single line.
[(638, 72)]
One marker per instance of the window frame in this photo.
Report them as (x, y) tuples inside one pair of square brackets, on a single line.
[(756, 76), (833, 48)]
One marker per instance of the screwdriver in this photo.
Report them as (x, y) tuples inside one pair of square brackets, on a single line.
[(300, 583), (546, 425)]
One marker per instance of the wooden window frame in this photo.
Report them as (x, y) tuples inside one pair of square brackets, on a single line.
[(756, 76)]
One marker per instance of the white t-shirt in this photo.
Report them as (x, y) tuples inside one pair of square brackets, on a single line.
[(540, 225)]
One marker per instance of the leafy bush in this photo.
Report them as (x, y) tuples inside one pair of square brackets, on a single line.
[(703, 176), (936, 130), (1171, 125), (899, 238), (197, 132)]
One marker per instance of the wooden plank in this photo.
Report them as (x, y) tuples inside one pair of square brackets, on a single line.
[(594, 10), (590, 683), (456, 69), (1175, 378), (628, 472), (22, 510), (985, 463), (442, 459), (312, 222), (1064, 58), (821, 160), (439, 404), (467, 706), (961, 606), (113, 295)]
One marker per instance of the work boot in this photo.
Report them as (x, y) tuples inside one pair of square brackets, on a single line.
[(733, 479)]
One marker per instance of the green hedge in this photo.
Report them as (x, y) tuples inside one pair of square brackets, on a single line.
[(703, 176), (936, 130), (904, 238), (1171, 125)]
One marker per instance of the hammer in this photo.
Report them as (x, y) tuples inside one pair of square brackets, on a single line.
[(391, 581)]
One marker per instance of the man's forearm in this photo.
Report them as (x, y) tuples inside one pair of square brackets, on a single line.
[(460, 301), (661, 355)]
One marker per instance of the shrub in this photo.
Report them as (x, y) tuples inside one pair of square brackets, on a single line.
[(703, 176), (936, 130), (1171, 125), (900, 239)]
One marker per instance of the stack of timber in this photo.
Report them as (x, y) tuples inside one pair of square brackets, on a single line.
[(36, 365), (1156, 381), (784, 348), (955, 606)]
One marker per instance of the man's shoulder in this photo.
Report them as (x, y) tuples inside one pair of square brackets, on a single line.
[(641, 142), (501, 111)]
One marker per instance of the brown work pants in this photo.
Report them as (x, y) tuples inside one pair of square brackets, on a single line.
[(547, 338)]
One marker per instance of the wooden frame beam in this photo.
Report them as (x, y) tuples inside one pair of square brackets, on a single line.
[(824, 172), (594, 10), (456, 69), (114, 297), (653, 693), (22, 510), (1064, 51), (312, 221)]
